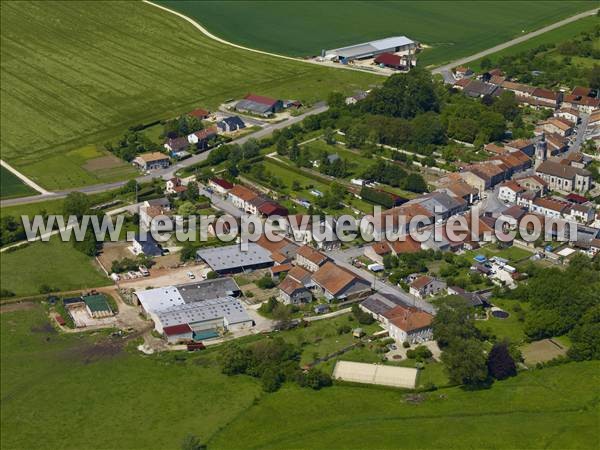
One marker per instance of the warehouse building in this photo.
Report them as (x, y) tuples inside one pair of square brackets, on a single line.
[(371, 49), (195, 310), (232, 259)]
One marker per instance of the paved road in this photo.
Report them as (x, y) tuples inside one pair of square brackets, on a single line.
[(343, 258), (459, 62), (581, 129), (165, 174)]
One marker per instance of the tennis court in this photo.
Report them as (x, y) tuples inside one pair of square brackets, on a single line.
[(403, 377)]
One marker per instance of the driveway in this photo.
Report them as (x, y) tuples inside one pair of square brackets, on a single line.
[(343, 258)]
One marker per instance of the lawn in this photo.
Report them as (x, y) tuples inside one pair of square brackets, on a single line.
[(54, 263), (513, 254), (87, 391), (11, 186), (78, 74), (550, 408), (451, 29), (511, 328)]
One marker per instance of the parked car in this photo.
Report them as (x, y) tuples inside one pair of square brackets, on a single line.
[(191, 276)]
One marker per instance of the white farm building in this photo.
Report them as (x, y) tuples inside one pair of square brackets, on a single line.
[(371, 49)]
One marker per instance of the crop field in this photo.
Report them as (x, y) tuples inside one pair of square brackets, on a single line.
[(556, 36), (76, 75), (54, 263), (12, 186), (71, 389), (451, 29)]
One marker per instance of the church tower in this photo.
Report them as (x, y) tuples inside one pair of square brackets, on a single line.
[(541, 150)]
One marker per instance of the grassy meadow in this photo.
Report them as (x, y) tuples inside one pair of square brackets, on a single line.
[(450, 29), (11, 186), (556, 36), (91, 391), (77, 74), (54, 263)]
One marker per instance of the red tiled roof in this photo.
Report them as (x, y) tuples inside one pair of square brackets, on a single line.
[(221, 182), (333, 278), (206, 133), (199, 113), (281, 268), (242, 192), (260, 99), (408, 318), (421, 282), (312, 255), (388, 59)]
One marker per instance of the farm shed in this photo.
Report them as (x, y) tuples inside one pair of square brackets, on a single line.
[(370, 49)]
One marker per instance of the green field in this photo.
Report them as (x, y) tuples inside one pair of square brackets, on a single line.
[(54, 263), (451, 29), (77, 74), (87, 391), (12, 186), (556, 36)]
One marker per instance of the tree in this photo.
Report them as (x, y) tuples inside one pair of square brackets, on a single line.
[(211, 275), (595, 77), (191, 442), (453, 321), (89, 245), (586, 336), (329, 136), (76, 204), (465, 362), (500, 363), (414, 182), (271, 380), (193, 192), (485, 63), (294, 151), (336, 100), (282, 146)]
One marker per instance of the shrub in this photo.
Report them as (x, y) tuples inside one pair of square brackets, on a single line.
[(419, 353), (406, 344)]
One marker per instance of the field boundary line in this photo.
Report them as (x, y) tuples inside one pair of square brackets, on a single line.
[(24, 179), (208, 34)]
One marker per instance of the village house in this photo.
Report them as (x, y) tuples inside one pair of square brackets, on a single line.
[(220, 186), (409, 324), (321, 235), (571, 114), (153, 209), (231, 124), (310, 259), (556, 125), (462, 72), (425, 286), (335, 282), (174, 186), (509, 190), (581, 100), (176, 144), (460, 189), (472, 299), (377, 251), (199, 113), (145, 245), (579, 213), (201, 138), (533, 183), (240, 196), (526, 146), (152, 161), (512, 217)]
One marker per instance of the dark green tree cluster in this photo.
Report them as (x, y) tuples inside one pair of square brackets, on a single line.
[(182, 126), (394, 175), (131, 144), (566, 302), (273, 361), (362, 317), (403, 95)]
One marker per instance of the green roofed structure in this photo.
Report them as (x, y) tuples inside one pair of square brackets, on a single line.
[(97, 306)]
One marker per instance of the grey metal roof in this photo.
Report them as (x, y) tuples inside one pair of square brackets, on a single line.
[(367, 48), (249, 105), (232, 257), (208, 289), (228, 308), (380, 302)]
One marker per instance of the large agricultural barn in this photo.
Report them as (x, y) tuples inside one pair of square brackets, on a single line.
[(371, 49), (195, 310)]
